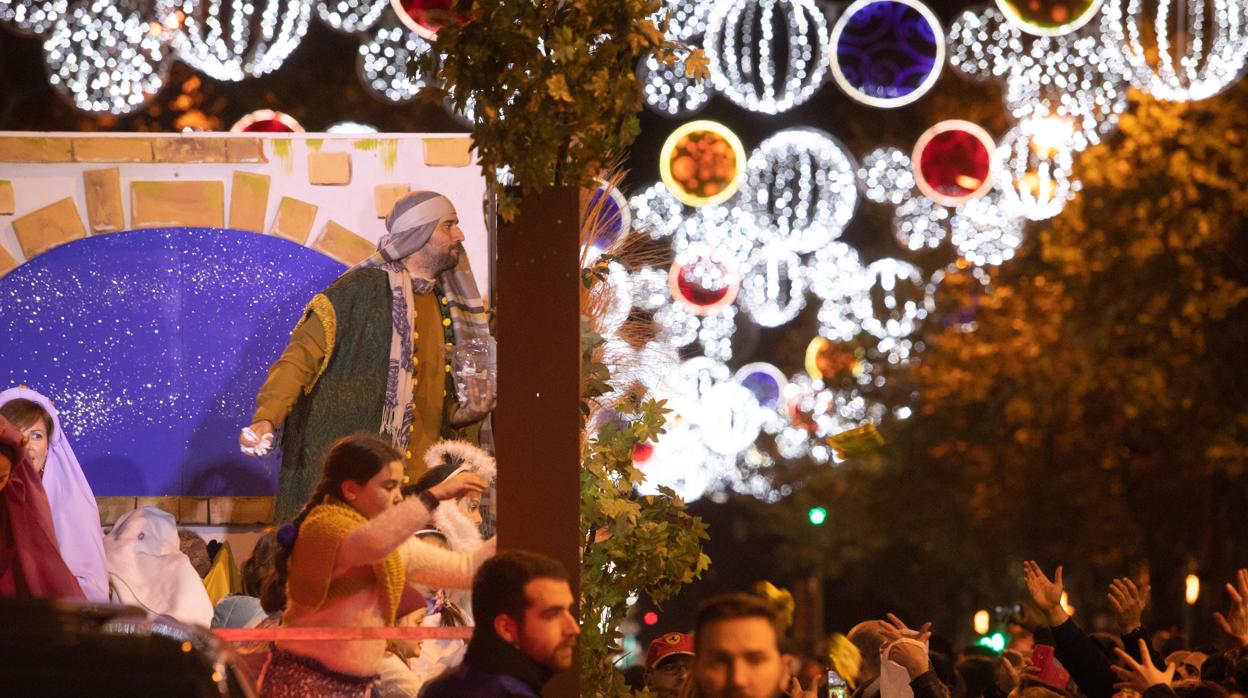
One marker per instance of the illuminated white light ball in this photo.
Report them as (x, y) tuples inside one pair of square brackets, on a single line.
[(1182, 50), (351, 127), (773, 287), (740, 45), (677, 325), (235, 39), (836, 276), (985, 232), (1076, 78), (726, 229), (649, 287), (387, 63), (656, 211), (31, 17), (685, 18), (982, 44), (350, 16), (898, 299), (715, 334), (886, 176), (920, 223), (729, 418), (667, 90), (800, 183), (1036, 181), (102, 58)]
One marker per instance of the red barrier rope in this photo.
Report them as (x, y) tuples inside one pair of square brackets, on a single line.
[(400, 633)]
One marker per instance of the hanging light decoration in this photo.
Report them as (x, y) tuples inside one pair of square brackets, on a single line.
[(740, 47), (1036, 179), (615, 218), (351, 127), (425, 17), (773, 287), (1180, 50), (667, 90), (920, 223), (703, 280), (1049, 17), (985, 231), (31, 17), (837, 277), (686, 19), (765, 381), (350, 16), (898, 299), (656, 212), (953, 162), (726, 229), (800, 184), (235, 39), (387, 63), (702, 162), (886, 176), (983, 44), (267, 121), (887, 53), (1076, 78), (830, 361), (102, 57)]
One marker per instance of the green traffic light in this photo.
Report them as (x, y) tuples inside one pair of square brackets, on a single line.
[(817, 515)]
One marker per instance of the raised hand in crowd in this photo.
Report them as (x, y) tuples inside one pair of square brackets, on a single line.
[(1235, 622), (1128, 602), (913, 657), (1142, 675), (1046, 594)]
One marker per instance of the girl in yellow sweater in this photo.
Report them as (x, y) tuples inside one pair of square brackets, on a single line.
[(346, 561)]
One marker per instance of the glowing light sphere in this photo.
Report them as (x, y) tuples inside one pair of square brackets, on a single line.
[(985, 232), (726, 229), (1049, 17), (31, 17), (773, 287), (800, 183), (953, 162), (235, 39), (729, 418), (425, 17), (656, 212), (386, 63), (350, 16), (679, 326), (827, 360), (1036, 181), (764, 380), (615, 218), (887, 53), (982, 44), (886, 176), (650, 290), (702, 163), (715, 333), (898, 299), (838, 278), (102, 58), (1076, 78), (741, 47), (686, 19), (920, 223), (1182, 50), (351, 127), (704, 280), (667, 90), (267, 121)]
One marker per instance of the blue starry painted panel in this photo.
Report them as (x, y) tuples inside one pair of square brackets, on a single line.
[(152, 344)]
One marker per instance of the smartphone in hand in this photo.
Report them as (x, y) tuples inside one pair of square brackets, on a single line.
[(837, 686)]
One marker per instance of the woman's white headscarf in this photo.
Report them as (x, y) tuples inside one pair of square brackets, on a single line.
[(148, 568), (75, 515)]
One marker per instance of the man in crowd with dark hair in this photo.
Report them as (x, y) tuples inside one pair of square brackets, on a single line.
[(736, 642), (668, 662), (526, 630)]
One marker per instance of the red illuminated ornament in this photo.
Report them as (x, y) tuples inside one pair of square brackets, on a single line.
[(827, 360), (426, 17), (267, 121), (703, 282), (650, 618), (642, 451), (953, 162)]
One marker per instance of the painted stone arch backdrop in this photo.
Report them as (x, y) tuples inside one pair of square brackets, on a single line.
[(147, 283)]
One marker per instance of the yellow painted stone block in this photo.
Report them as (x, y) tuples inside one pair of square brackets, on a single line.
[(7, 205), (244, 150), (343, 245), (113, 508), (193, 511), (7, 263), (189, 149), (113, 149), (384, 196), (240, 510), (19, 149), (294, 220), (48, 227), (182, 203), (329, 168), (104, 211), (249, 201), (447, 152), (169, 504)]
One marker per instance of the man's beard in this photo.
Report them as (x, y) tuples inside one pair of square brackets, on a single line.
[(448, 260)]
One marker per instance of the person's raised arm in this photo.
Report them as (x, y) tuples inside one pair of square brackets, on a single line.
[(371, 542), (1129, 601), (1077, 652), (1143, 675), (1235, 622), (429, 565)]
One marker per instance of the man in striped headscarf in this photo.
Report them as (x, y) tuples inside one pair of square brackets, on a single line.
[(378, 355)]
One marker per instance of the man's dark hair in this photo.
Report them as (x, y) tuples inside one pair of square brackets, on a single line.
[(733, 607), (498, 586)]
